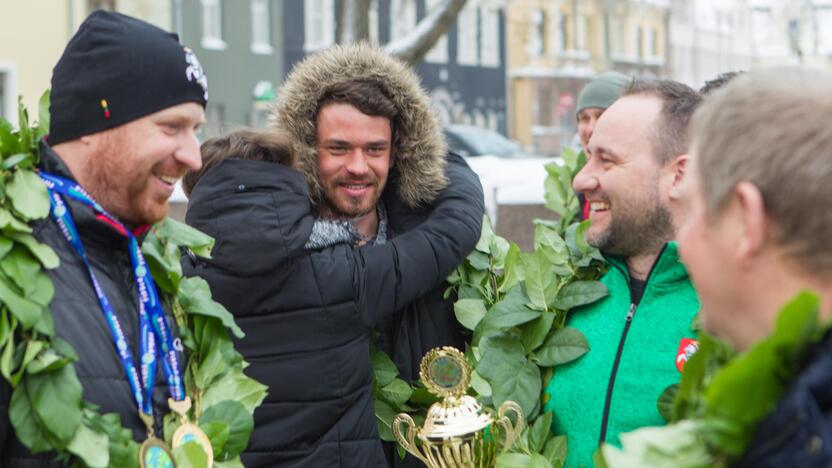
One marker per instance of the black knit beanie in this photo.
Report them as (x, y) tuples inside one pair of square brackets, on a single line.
[(117, 69)]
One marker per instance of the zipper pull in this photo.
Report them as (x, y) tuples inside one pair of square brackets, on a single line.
[(630, 313)]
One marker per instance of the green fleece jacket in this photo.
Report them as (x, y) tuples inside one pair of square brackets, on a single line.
[(578, 390)]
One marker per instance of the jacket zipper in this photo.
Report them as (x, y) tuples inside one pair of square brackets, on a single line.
[(629, 320), (611, 385)]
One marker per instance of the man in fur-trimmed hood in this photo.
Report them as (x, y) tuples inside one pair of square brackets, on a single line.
[(374, 156)]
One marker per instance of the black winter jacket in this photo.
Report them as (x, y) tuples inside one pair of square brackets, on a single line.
[(80, 321), (308, 315), (799, 431)]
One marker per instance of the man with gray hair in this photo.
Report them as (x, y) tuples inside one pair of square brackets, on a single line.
[(757, 233)]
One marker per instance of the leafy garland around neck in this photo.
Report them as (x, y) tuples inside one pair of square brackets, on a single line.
[(722, 398), (47, 409), (515, 306)]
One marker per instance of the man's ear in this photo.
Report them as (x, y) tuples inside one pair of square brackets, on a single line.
[(677, 168), (749, 208)]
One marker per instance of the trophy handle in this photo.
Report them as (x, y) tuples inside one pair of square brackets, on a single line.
[(407, 440), (512, 432)]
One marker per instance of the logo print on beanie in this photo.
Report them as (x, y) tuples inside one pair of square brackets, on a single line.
[(194, 71)]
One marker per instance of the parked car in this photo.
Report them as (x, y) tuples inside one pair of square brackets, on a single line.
[(508, 175)]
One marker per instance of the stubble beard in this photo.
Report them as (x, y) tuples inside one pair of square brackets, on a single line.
[(643, 227)]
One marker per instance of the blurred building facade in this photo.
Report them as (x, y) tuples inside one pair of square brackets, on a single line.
[(465, 71), (556, 46)]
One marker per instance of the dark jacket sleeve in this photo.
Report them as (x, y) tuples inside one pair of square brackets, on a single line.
[(389, 276)]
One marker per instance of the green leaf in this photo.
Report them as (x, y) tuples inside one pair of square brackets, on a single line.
[(486, 236), (26, 311), (539, 432), (56, 397), (45, 255), (578, 293), (164, 263), (190, 455), (469, 312), (235, 385), (240, 424), (7, 358), (181, 234), (217, 432), (520, 384), (498, 350), (562, 346), (511, 311), (194, 296), (6, 245), (540, 276), (28, 195), (534, 333), (4, 328), (9, 144), (522, 460), (513, 269), (33, 348), (90, 446), (20, 267), (397, 392), (479, 260), (384, 370), (26, 427), (384, 420), (211, 366), (480, 385), (570, 158), (48, 361), (10, 224), (43, 290), (665, 403), (43, 115), (555, 450), (14, 160)]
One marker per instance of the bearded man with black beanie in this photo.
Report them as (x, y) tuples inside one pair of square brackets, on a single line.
[(127, 99)]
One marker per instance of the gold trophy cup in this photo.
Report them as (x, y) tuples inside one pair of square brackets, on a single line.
[(457, 432)]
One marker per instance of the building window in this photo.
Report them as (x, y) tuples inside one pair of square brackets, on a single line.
[(537, 43), (490, 36), (439, 52), (319, 23), (654, 42), (261, 34), (581, 33), (639, 42), (555, 36), (564, 32), (402, 18), (212, 25), (466, 22)]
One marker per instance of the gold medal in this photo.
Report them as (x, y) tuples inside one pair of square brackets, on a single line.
[(188, 431), (154, 453)]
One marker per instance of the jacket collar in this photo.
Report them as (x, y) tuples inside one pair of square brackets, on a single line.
[(667, 270)]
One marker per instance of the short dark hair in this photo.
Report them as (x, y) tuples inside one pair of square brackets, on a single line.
[(368, 95), (718, 82), (252, 145), (679, 101)]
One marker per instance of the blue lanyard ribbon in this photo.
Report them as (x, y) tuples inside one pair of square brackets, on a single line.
[(153, 324)]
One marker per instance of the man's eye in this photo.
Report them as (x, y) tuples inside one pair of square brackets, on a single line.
[(375, 150), (338, 149)]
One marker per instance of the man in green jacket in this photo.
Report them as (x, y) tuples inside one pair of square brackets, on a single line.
[(640, 334)]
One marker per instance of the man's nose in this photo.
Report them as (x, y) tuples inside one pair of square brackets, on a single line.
[(357, 163), (586, 179), (188, 153)]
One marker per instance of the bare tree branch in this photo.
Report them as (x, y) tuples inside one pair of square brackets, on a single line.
[(353, 21), (413, 47)]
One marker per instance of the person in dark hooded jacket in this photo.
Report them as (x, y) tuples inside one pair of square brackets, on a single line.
[(308, 314)]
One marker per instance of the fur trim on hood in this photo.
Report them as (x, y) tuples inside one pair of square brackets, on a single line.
[(421, 149)]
